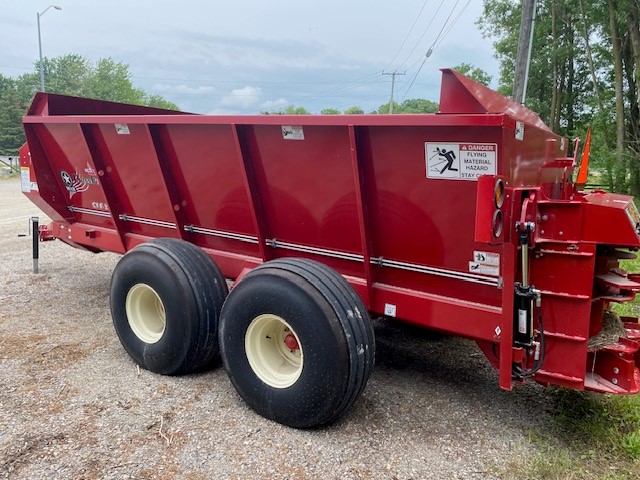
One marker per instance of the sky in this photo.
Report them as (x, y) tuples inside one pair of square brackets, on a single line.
[(247, 56)]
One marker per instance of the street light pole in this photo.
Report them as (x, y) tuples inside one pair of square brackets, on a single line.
[(40, 44)]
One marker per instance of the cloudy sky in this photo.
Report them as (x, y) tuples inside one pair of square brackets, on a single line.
[(244, 56)]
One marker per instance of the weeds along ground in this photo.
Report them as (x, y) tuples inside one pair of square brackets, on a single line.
[(595, 436)]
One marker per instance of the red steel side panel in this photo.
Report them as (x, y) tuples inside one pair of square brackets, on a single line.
[(435, 216), (132, 165), (307, 190), (209, 180)]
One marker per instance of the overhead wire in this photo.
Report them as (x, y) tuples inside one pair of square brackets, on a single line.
[(423, 34), (438, 40), (407, 35), (367, 79), (455, 20), (445, 23)]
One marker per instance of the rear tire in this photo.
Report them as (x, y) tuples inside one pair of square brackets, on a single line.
[(297, 342), (166, 297)]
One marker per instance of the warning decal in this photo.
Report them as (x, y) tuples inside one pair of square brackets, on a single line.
[(292, 132), (460, 161), (485, 263), (25, 180)]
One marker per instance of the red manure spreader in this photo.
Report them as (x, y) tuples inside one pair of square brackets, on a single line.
[(466, 222)]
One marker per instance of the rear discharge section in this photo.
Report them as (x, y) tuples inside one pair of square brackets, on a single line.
[(614, 341)]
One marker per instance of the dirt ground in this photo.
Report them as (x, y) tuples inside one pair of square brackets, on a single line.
[(74, 405)]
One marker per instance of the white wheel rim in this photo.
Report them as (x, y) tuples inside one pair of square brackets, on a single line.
[(269, 355), (145, 313)]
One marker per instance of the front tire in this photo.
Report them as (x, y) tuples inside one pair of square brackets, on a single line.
[(297, 342), (166, 297)]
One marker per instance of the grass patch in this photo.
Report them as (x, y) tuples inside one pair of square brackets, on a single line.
[(11, 174), (631, 309), (591, 436)]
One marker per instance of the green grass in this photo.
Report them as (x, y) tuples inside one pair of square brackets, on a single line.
[(591, 436), (9, 175), (631, 309)]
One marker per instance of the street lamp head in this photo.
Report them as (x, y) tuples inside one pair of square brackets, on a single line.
[(57, 7)]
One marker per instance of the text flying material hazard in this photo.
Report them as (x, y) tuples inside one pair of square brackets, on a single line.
[(460, 161)]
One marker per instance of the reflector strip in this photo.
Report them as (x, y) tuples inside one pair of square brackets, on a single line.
[(219, 233), (412, 267), (88, 211), (354, 257), (147, 221)]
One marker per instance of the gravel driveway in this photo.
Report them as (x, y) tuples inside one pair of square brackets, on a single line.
[(74, 405)]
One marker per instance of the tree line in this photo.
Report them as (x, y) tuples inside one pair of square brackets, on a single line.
[(70, 74), (413, 105), (585, 71)]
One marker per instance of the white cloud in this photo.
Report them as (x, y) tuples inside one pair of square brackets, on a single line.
[(269, 104), (244, 97), (166, 88)]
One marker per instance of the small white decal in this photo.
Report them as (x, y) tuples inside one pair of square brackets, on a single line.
[(522, 321), (389, 310), (25, 179), (292, 132), (519, 131), (100, 206), (460, 161), (122, 128), (483, 269), (486, 258)]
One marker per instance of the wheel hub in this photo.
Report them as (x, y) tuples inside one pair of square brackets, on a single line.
[(145, 313), (274, 351)]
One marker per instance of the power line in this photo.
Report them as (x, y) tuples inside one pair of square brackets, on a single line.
[(414, 78), (455, 20), (407, 35), (436, 43), (445, 23), (423, 34), (335, 90)]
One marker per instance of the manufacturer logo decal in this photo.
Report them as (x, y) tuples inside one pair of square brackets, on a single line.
[(76, 183)]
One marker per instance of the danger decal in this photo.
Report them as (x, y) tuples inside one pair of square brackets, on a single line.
[(460, 161)]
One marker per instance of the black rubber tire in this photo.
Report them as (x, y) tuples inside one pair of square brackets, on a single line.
[(192, 289), (334, 330)]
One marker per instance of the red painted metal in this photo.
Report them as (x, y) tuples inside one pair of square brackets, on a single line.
[(291, 342), (356, 192)]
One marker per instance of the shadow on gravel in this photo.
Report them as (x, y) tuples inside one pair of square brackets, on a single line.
[(438, 369)]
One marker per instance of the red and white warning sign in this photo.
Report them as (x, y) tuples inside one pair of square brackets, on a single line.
[(460, 161), (485, 263)]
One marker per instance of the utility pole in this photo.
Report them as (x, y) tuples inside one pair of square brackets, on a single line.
[(393, 74), (524, 51)]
